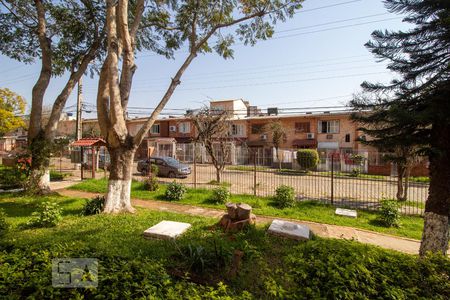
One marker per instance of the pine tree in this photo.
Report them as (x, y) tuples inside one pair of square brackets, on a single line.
[(413, 109)]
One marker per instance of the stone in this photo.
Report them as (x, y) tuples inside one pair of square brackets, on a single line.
[(290, 230), (167, 230), (346, 212)]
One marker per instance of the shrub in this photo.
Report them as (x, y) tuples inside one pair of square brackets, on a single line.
[(307, 158), (154, 170), (151, 183), (93, 206), (47, 215), (57, 176), (221, 195), (4, 226), (389, 214), (355, 172), (285, 196), (175, 191)]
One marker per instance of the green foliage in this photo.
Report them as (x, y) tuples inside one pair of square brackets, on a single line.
[(121, 278), (151, 183), (57, 176), (4, 225), (11, 107), (307, 158), (389, 212), (175, 191), (337, 269), (47, 215), (93, 206), (355, 172), (221, 195), (211, 256), (11, 177), (284, 196)]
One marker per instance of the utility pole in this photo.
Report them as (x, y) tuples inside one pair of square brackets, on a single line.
[(78, 130)]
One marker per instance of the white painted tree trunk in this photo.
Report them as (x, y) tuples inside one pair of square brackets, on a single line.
[(119, 183), (118, 197)]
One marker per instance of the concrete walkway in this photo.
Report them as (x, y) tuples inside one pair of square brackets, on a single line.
[(323, 230)]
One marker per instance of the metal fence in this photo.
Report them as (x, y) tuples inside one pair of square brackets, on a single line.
[(340, 178)]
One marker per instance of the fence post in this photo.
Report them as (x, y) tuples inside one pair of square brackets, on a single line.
[(254, 173), (195, 165), (332, 178)]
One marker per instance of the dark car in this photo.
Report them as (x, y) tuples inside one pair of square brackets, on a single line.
[(167, 166)]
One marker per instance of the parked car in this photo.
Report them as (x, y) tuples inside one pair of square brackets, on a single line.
[(167, 167)]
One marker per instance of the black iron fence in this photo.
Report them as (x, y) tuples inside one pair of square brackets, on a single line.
[(336, 179)]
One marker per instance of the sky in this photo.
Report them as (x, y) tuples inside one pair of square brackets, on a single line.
[(315, 59)]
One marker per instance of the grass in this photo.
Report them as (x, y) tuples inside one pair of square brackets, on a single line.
[(306, 210), (247, 168), (271, 267)]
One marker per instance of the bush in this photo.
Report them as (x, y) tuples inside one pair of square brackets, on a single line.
[(307, 158), (4, 226), (389, 214), (175, 191), (93, 206), (221, 195), (57, 176), (151, 183), (284, 196), (121, 278), (355, 172), (47, 215)]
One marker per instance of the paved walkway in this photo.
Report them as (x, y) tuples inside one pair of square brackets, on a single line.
[(323, 230)]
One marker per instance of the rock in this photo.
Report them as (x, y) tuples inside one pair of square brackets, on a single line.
[(290, 230), (167, 230), (346, 212), (243, 211)]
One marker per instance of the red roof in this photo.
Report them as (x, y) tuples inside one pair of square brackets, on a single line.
[(88, 142)]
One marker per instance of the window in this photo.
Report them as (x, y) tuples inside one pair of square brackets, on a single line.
[(329, 126), (237, 129), (257, 128), (302, 127), (155, 129), (347, 138), (185, 127)]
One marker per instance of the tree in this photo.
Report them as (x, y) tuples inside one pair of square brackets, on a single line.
[(413, 109), (202, 25), (66, 36), (279, 136), (11, 107), (403, 157), (213, 131)]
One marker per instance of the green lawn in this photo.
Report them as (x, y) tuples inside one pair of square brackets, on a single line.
[(308, 210), (195, 266)]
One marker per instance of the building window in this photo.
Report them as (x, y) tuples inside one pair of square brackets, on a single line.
[(302, 127), (185, 127), (237, 129), (329, 126), (257, 128), (347, 138), (154, 129)]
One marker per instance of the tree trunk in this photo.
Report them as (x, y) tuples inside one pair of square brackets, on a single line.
[(436, 232), (218, 175), (278, 158), (119, 183), (400, 177), (38, 182)]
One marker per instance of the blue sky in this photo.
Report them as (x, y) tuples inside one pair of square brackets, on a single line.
[(315, 59)]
